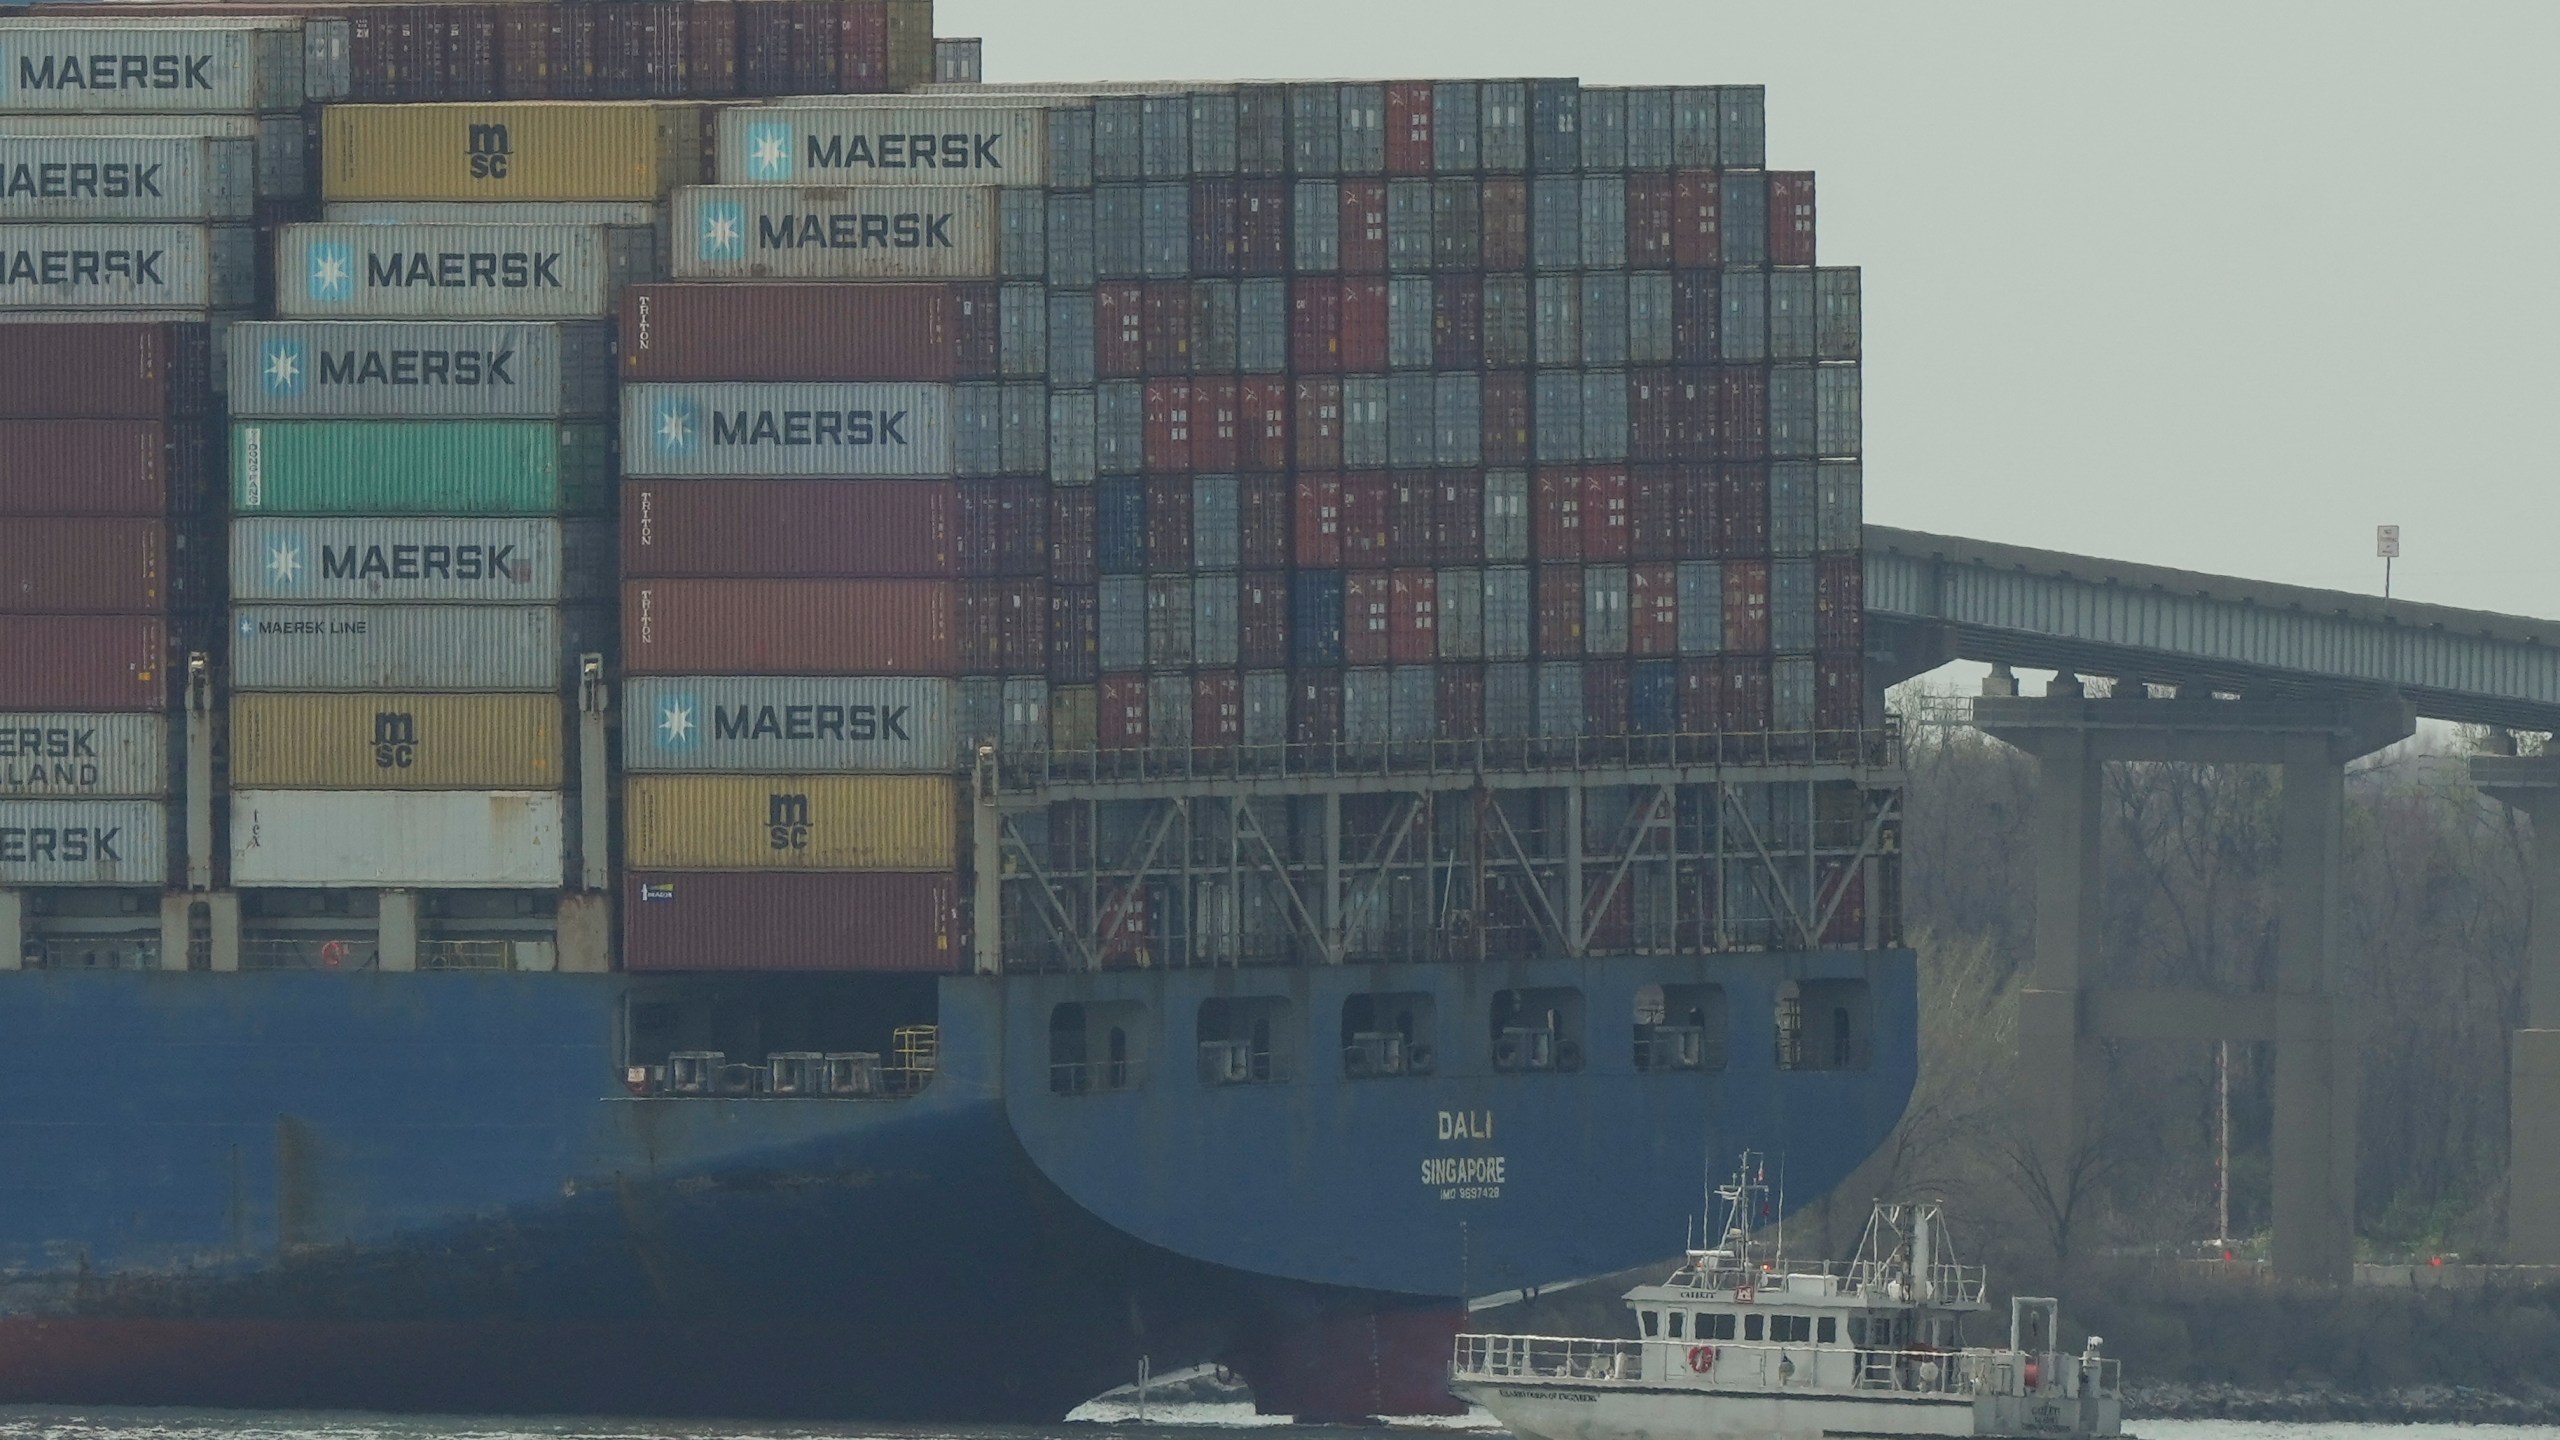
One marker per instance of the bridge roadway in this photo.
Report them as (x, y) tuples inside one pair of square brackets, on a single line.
[(2305, 679)]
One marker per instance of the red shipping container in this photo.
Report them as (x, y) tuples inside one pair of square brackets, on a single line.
[(1217, 709), (1604, 513), (1263, 503), (1839, 690), (103, 467), (1697, 316), (1364, 325), (1315, 323), (1459, 700), (1364, 227), (1457, 519), (1262, 620), (1075, 634), (777, 529), (1701, 534), (980, 611), (534, 52), (86, 662), (977, 329), (1262, 227), (1653, 609), (1840, 602), (1701, 696), (1411, 498), (1072, 558), (1742, 512), (1318, 544), (978, 538), (1697, 239), (1169, 523), (783, 332), (1746, 608), (1790, 217), (1368, 602), (1506, 224), (1216, 241), (1119, 329), (1315, 707), (1125, 925), (1262, 423), (1121, 718), (1315, 429), (1653, 513), (1366, 508), (862, 47), (1606, 688), (789, 627), (121, 371), (1457, 322), (1559, 611), (1409, 128), (1217, 438), (786, 920), (1167, 327), (1023, 627), (1168, 427), (1653, 419), (471, 52), (1742, 412), (1746, 694), (1413, 619), (1649, 220), (1506, 418), (1555, 516)]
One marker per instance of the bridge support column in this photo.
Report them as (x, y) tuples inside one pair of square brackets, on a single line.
[(2057, 1062), (2315, 1092), (2532, 784)]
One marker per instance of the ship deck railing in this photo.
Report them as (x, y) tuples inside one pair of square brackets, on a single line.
[(1778, 1365)]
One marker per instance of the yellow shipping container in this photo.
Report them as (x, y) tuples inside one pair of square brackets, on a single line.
[(790, 822), (532, 150), (910, 44), (396, 742)]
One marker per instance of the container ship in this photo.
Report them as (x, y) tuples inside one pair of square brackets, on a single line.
[(694, 711)]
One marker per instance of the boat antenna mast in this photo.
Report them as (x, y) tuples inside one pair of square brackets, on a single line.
[(1745, 1199)]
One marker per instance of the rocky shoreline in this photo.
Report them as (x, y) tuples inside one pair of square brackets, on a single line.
[(2323, 1404)]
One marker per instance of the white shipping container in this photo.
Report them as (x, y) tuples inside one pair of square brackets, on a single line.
[(396, 647), (66, 756), (128, 267), (742, 430), (421, 369), (455, 839), (277, 139), (126, 177), (458, 271), (901, 145), (396, 558), (790, 724), (84, 842), (101, 66), (862, 232)]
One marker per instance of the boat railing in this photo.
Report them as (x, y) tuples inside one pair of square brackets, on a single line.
[(1554, 1357), (1779, 1365)]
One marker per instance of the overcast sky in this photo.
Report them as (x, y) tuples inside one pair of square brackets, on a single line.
[(2201, 284)]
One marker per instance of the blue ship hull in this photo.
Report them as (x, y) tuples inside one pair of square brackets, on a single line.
[(430, 1191)]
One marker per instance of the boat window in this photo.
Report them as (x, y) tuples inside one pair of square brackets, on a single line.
[(1751, 1326), (1387, 1034), (1715, 1327), (1679, 1027), (1823, 1025), (1098, 1046), (1676, 1317), (1857, 1331), (1827, 1330), (1652, 1322), (1786, 1329), (1537, 1030), (1245, 1040)]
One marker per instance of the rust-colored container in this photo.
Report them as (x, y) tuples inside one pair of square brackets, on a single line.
[(1122, 720), (1120, 330), (1555, 516), (1075, 634), (1368, 605), (1506, 224), (1697, 238), (1319, 529), (1409, 128), (1839, 602), (748, 920), (1457, 517), (1364, 227), (1653, 513), (1506, 418), (1746, 608), (1746, 693), (1316, 429), (789, 627), (1262, 424), (1168, 427), (1367, 502), (1315, 323), (1790, 217), (776, 529), (1604, 513), (1699, 533), (1164, 328), (1457, 322), (1169, 523), (1262, 227), (103, 467), (1559, 611), (1742, 412), (1216, 426), (126, 371), (1263, 503), (85, 565), (1701, 695), (1364, 324), (1458, 700), (1697, 316), (85, 662), (1071, 535), (547, 52), (1839, 690), (1606, 686), (1217, 709), (1409, 512), (1262, 620), (1741, 512), (1004, 627), (1315, 707), (1653, 608), (732, 331), (1413, 617), (1649, 221)]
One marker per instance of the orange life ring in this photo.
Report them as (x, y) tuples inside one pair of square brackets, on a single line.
[(1702, 1358), (334, 954)]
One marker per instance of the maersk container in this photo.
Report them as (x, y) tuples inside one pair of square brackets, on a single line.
[(396, 647), (73, 755), (434, 839), (525, 151), (419, 467), (84, 842), (438, 560), (848, 431), (394, 741), (874, 145), (458, 271), (420, 369), (276, 140), (868, 232), (126, 177), (104, 66), (127, 267), (790, 724), (790, 822), (714, 920)]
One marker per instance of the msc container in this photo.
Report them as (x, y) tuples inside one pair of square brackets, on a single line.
[(787, 430), (869, 232), (800, 725), (127, 267), (83, 842), (790, 822), (577, 150), (420, 369), (98, 66), (790, 528), (126, 177), (710, 920), (457, 271), (93, 565), (276, 141), (833, 144), (445, 560), (441, 839), (809, 332), (419, 467), (61, 755), (396, 647), (391, 741), (144, 370), (789, 627)]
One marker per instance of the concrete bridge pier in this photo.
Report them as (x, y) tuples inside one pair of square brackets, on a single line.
[(2065, 1014), (2532, 784)]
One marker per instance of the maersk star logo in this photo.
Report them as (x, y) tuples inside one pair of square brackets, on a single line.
[(285, 368), (769, 152), (677, 729), (333, 271), (678, 427), (724, 230), (284, 561)]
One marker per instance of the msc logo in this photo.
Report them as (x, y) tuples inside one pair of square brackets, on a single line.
[(677, 727), (677, 427), (724, 230), (488, 151), (286, 369), (333, 270), (395, 740), (787, 821), (769, 151)]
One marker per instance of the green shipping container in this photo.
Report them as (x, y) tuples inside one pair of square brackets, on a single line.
[(420, 467)]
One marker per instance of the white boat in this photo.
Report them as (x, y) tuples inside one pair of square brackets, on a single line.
[(1736, 1344)]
